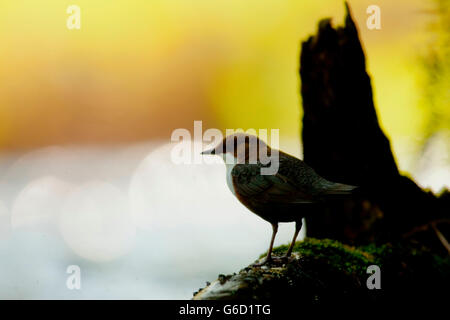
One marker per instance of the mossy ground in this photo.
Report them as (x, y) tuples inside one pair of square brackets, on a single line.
[(327, 270), (342, 257)]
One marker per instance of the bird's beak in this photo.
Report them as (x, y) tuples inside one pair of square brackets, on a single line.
[(210, 151)]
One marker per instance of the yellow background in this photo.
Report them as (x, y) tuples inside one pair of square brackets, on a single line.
[(136, 70)]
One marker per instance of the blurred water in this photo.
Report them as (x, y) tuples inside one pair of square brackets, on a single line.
[(139, 226)]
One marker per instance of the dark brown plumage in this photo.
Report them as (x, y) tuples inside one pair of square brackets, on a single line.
[(285, 196)]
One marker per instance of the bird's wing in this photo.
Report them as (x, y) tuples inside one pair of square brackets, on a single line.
[(250, 183), (305, 178)]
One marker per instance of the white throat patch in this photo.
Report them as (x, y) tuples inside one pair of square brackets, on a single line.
[(230, 162)]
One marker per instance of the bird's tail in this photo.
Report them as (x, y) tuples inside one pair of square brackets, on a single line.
[(342, 189)]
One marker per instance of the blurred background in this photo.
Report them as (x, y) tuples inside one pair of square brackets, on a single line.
[(86, 118)]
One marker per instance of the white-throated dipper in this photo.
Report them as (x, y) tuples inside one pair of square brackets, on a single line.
[(287, 195)]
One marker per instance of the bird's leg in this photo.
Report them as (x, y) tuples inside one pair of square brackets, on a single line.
[(274, 232), (269, 253), (298, 226)]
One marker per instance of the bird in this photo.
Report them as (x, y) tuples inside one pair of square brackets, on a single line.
[(288, 195)]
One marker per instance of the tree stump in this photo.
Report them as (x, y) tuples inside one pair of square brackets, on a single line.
[(343, 142)]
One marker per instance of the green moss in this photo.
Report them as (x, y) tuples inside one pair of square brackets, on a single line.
[(325, 270), (335, 254)]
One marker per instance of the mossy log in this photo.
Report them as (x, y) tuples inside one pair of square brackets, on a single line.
[(323, 271)]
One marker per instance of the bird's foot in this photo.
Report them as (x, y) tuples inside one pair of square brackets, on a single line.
[(287, 259), (271, 261)]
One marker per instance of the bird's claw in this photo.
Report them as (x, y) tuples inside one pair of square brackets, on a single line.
[(272, 261)]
